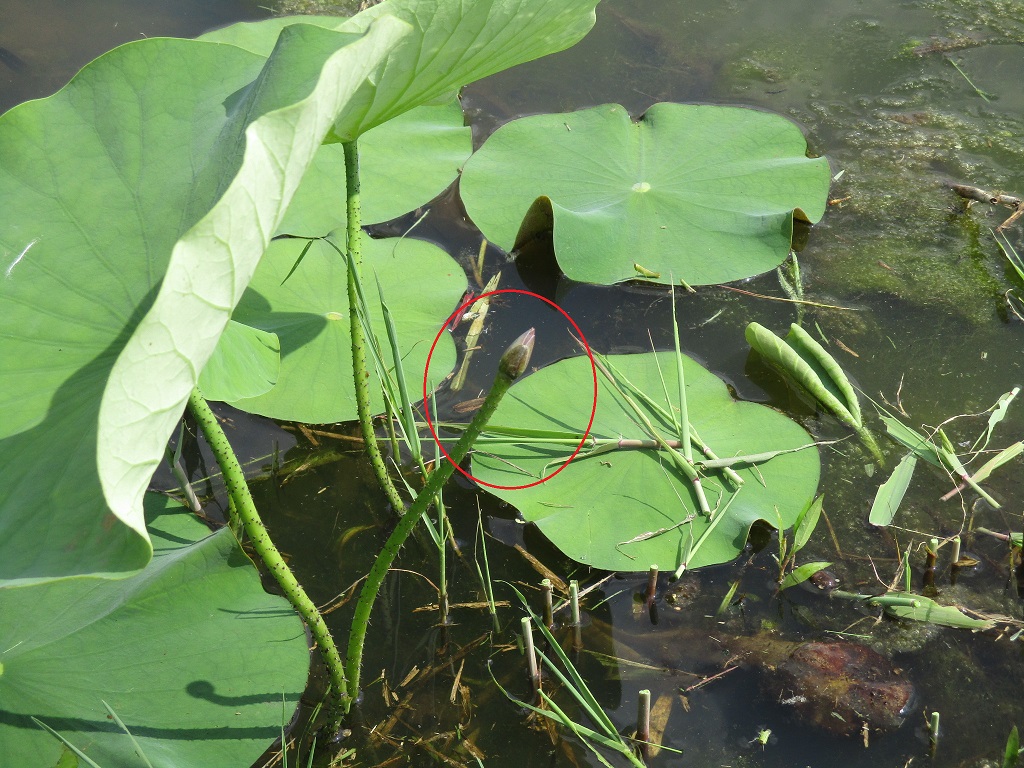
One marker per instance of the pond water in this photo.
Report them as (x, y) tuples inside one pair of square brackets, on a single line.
[(926, 326)]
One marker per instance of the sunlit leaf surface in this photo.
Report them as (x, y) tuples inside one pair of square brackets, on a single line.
[(622, 510), (140, 199), (191, 653), (309, 313), (703, 194)]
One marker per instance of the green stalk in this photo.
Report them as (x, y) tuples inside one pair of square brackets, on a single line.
[(512, 364), (684, 413), (360, 373), (245, 508), (677, 458), (668, 417)]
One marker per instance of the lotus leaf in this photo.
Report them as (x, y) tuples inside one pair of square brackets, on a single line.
[(403, 164), (703, 194), (144, 194), (245, 363), (452, 43), (141, 197), (191, 653), (625, 509), (309, 313)]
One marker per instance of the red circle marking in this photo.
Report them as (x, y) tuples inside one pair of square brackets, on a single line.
[(426, 400)]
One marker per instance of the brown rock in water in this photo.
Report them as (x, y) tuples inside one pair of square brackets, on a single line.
[(835, 686), (840, 686)]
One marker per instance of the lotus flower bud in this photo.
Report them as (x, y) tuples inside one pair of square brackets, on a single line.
[(517, 357)]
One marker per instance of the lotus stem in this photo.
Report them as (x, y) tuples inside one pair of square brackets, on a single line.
[(360, 374), (652, 585), (643, 723), (574, 602), (549, 612), (512, 365), (532, 670), (246, 511)]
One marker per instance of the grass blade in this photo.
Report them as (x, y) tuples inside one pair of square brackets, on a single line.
[(806, 523), (922, 447), (801, 574), (684, 415), (890, 493), (997, 415), (81, 755), (1007, 454), (578, 683), (1012, 753), (407, 415)]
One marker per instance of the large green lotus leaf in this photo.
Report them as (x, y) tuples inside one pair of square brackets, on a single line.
[(704, 194), (601, 510), (453, 43), (309, 313), (191, 653), (404, 163), (138, 199), (245, 363)]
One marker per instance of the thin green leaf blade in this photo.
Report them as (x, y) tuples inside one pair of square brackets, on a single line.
[(997, 415), (922, 447), (1006, 455), (921, 608), (890, 493), (807, 522), (1012, 753), (801, 574)]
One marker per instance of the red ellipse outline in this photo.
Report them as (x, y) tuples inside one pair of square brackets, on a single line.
[(426, 400)]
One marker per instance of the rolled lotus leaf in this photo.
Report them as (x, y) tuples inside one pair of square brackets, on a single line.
[(795, 365), (809, 349), (806, 362)]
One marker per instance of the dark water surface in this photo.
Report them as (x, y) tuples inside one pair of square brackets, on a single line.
[(44, 42), (929, 326)]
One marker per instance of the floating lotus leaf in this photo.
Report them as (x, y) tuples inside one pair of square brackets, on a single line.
[(191, 653), (625, 509), (245, 363), (703, 194), (309, 314), (403, 164)]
